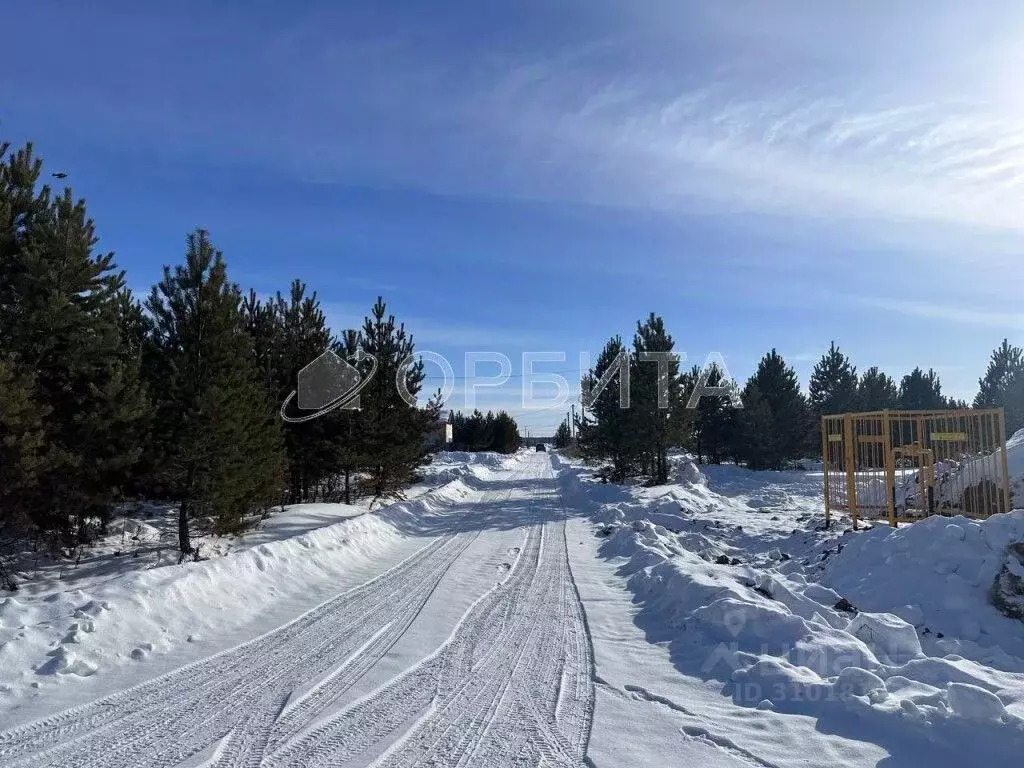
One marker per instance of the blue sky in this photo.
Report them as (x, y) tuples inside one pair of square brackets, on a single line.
[(536, 176)]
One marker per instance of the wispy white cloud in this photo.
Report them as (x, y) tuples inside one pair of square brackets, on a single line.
[(904, 115), (950, 311), (790, 153)]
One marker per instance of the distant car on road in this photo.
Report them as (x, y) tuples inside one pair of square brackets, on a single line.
[(541, 447)]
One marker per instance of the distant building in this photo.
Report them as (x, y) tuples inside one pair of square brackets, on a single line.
[(440, 436)]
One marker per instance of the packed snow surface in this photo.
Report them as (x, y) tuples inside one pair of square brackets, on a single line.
[(462, 641), (517, 611), (877, 632)]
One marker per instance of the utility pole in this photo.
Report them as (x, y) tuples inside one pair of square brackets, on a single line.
[(572, 424)]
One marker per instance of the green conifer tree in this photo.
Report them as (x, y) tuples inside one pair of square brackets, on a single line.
[(876, 391), (23, 447), (61, 325), (833, 384), (1002, 386), (222, 453), (715, 422), (759, 444), (657, 410), (920, 391), (775, 400), (608, 431), (562, 436), (396, 429)]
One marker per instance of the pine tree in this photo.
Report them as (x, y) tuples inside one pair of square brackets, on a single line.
[(477, 431), (289, 334), (920, 391), (562, 435), (459, 430), (61, 324), (758, 439), (657, 410), (609, 431), (775, 400), (491, 432), (833, 384), (1002, 386), (876, 391), (23, 448), (351, 448), (506, 434), (217, 426), (715, 423), (396, 429)]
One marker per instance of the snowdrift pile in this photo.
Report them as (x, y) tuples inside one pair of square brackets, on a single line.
[(882, 625), (53, 632), (938, 574), (446, 466)]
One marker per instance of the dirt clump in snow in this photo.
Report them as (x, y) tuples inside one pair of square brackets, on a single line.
[(1008, 587)]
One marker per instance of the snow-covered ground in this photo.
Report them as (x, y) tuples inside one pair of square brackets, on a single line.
[(125, 609), (884, 640), (443, 630), (519, 612)]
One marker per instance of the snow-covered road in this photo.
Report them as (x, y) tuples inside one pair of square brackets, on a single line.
[(522, 613), (385, 673)]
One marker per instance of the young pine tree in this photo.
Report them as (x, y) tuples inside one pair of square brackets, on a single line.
[(657, 409), (715, 420), (758, 442), (833, 384), (1002, 386), (506, 433), (479, 431), (396, 428), (608, 430), (217, 426), (23, 447), (562, 436), (349, 424), (920, 391), (876, 391), (302, 335), (775, 400)]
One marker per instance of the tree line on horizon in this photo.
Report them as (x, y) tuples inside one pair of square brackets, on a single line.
[(105, 398), (496, 432), (778, 421)]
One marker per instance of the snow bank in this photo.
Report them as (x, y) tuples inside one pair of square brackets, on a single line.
[(51, 633), (686, 472), (79, 631), (452, 465), (938, 573), (850, 640)]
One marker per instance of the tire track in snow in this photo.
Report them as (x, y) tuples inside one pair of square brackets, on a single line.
[(513, 684), (180, 714)]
